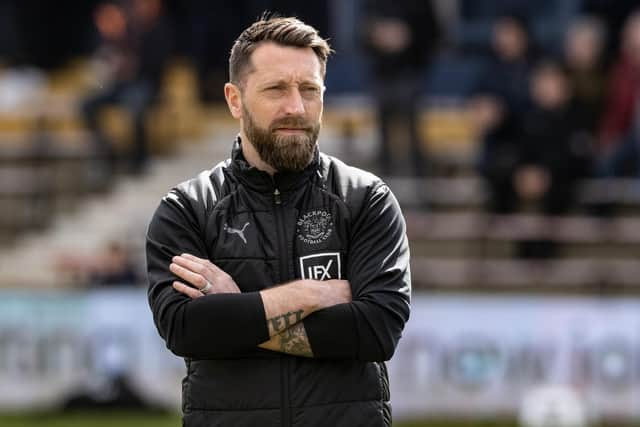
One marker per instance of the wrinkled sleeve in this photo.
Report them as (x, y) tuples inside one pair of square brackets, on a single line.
[(370, 326), (215, 326)]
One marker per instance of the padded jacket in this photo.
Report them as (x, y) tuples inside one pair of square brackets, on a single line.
[(328, 221)]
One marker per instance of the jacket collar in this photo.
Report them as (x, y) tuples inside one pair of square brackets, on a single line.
[(262, 181)]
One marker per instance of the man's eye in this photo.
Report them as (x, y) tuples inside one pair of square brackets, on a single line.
[(310, 90)]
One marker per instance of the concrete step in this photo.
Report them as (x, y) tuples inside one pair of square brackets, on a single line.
[(506, 275), (121, 215), (469, 226), (471, 191)]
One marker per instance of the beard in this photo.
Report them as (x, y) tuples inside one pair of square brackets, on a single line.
[(284, 153)]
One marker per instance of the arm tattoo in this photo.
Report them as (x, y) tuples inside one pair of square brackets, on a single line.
[(288, 334), (284, 321), (294, 341)]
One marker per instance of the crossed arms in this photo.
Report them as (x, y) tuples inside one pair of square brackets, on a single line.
[(284, 306), (361, 319)]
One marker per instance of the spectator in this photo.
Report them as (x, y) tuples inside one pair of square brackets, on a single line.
[(500, 100), (618, 139), (136, 44), (400, 38), (112, 266), (550, 153), (583, 49), (584, 43), (613, 14)]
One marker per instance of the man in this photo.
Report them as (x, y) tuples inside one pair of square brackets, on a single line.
[(281, 275)]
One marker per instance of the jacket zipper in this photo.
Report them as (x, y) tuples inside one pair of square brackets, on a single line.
[(282, 244), (284, 361)]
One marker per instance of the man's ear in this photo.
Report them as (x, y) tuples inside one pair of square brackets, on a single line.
[(234, 99)]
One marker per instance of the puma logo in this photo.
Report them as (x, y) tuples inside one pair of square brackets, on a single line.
[(238, 231)]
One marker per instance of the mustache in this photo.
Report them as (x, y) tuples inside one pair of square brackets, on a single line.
[(291, 122)]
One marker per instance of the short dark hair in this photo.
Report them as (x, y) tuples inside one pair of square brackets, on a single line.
[(285, 31)]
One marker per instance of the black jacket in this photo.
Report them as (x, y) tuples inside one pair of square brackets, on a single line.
[(328, 221)]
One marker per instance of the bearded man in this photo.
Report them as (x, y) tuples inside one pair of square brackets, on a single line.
[(281, 275)]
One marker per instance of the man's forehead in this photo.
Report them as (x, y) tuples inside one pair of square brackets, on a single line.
[(272, 62)]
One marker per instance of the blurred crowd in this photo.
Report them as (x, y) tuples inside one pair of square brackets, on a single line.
[(551, 86), (550, 116), (549, 120), (556, 74)]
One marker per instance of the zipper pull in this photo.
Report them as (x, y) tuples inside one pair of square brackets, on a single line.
[(276, 196)]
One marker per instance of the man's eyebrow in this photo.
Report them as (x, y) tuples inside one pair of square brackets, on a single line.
[(268, 83), (283, 82)]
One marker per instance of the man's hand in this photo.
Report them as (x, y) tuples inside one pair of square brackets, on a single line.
[(532, 182), (202, 277), (285, 306)]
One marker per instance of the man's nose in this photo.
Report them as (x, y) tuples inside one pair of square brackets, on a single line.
[(294, 105)]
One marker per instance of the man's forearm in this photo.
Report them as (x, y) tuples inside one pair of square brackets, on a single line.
[(292, 341), (286, 305)]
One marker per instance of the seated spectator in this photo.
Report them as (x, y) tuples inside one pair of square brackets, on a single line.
[(112, 266), (500, 99), (583, 49), (617, 150), (583, 59), (549, 153), (136, 44), (547, 20), (400, 38), (613, 15)]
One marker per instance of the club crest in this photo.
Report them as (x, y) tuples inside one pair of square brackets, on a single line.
[(314, 227)]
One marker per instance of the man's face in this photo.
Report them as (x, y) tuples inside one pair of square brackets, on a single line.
[(281, 105)]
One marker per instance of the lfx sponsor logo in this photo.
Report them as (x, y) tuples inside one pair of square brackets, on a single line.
[(324, 266)]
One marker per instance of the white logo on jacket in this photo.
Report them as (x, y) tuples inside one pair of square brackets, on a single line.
[(239, 232), (324, 266)]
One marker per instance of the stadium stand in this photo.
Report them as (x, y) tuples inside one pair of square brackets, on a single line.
[(57, 200), (120, 214)]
